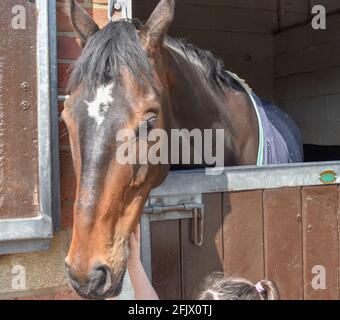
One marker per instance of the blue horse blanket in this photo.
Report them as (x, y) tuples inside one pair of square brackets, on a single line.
[(280, 140)]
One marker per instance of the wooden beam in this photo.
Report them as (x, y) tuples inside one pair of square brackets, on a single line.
[(280, 14)]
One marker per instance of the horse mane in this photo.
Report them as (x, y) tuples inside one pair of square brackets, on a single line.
[(212, 67), (118, 45)]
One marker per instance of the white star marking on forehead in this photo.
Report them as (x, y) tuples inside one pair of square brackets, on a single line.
[(100, 105)]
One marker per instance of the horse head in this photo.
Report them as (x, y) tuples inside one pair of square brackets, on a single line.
[(118, 83)]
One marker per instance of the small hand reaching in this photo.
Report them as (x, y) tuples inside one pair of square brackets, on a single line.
[(140, 282), (134, 247)]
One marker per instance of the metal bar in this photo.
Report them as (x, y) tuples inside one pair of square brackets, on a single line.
[(198, 227), (181, 207), (44, 104), (62, 98), (111, 8), (124, 6), (25, 229), (167, 216), (23, 246), (146, 254), (245, 178), (56, 210)]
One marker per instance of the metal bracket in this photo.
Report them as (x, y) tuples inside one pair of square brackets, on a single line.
[(191, 210), (62, 98), (124, 6), (178, 208), (198, 227), (170, 207)]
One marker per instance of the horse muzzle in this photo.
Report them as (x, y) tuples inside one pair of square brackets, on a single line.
[(101, 283)]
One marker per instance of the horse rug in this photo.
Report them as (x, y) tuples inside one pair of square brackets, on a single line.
[(280, 140)]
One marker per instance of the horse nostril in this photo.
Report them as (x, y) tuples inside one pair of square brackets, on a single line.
[(100, 279)]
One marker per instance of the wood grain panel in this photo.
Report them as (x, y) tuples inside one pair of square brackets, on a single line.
[(222, 18), (321, 241), (19, 175), (283, 241), (166, 259), (243, 234)]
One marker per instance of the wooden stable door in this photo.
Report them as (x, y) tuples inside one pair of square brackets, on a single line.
[(18, 111), (29, 189), (288, 235)]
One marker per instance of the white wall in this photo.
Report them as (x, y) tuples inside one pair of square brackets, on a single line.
[(292, 12), (233, 29), (307, 80)]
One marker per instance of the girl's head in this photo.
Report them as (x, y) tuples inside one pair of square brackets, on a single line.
[(218, 286)]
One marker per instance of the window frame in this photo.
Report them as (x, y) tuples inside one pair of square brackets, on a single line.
[(35, 234)]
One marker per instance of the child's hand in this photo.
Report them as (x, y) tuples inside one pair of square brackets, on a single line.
[(140, 282), (134, 246)]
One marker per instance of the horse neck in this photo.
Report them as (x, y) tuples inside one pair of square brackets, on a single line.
[(196, 103)]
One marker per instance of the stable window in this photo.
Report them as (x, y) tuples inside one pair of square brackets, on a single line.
[(29, 175)]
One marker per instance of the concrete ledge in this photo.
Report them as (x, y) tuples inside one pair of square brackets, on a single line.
[(41, 275)]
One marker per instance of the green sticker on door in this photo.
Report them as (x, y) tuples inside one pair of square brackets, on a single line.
[(328, 176)]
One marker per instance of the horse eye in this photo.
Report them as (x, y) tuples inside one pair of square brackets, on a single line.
[(150, 123)]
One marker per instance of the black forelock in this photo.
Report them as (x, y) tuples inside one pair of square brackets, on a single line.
[(107, 51)]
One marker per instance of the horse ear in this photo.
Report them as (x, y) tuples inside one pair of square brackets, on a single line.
[(82, 23), (155, 29)]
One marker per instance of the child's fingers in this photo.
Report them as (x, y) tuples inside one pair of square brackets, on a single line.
[(137, 232), (132, 240)]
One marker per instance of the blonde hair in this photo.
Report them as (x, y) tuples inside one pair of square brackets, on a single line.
[(218, 286)]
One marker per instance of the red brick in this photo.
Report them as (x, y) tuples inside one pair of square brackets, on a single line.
[(60, 107), (99, 16), (63, 74), (68, 181), (63, 135), (63, 22), (67, 214), (80, 1), (98, 1), (68, 187), (68, 48)]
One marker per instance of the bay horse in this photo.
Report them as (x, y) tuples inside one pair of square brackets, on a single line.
[(131, 75)]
